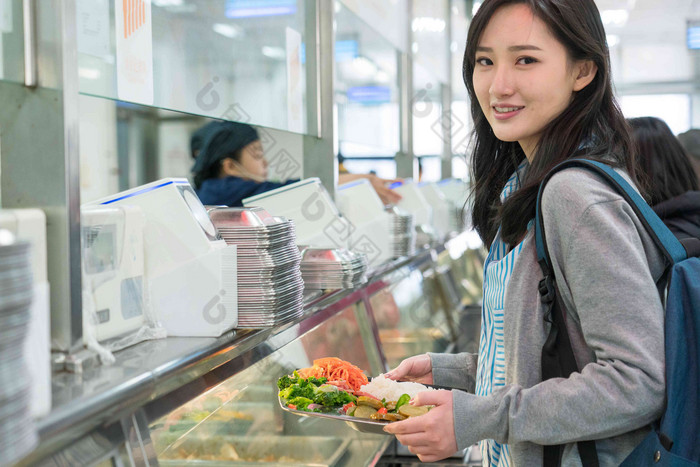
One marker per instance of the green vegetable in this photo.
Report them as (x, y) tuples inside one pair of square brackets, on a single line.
[(402, 400), (332, 399), (301, 402), (286, 381), (298, 390)]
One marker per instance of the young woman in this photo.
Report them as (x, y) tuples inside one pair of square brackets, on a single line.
[(538, 75), (231, 166), (673, 186)]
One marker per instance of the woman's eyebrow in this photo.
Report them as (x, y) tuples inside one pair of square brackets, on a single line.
[(512, 48)]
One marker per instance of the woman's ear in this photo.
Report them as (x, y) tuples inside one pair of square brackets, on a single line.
[(228, 167), (585, 72)]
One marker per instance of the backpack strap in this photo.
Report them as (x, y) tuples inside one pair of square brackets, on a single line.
[(672, 249), (558, 358)]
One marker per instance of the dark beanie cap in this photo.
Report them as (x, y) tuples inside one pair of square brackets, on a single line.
[(199, 136), (223, 141)]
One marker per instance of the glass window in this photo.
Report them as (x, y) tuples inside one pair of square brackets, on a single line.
[(239, 60), (674, 109), (366, 89), (426, 109), (387, 17), (381, 167), (11, 41), (241, 420), (431, 46), (410, 318)]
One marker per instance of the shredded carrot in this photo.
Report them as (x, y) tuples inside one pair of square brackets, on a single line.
[(336, 369)]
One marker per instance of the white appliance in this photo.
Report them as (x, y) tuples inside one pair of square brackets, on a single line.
[(456, 192), (190, 272), (414, 202), (316, 218), (30, 225), (113, 270), (442, 208), (371, 224)]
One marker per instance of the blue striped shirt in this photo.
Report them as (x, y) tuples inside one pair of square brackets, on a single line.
[(491, 369)]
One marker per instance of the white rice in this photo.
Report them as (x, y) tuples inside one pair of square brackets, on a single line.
[(382, 387)]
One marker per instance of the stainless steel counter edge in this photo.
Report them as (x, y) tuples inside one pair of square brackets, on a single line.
[(223, 357)]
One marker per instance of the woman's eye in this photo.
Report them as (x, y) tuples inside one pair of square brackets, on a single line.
[(526, 61), (484, 61)]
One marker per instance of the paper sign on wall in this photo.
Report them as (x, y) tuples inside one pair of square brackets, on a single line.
[(93, 27), (295, 102), (134, 51), (5, 16)]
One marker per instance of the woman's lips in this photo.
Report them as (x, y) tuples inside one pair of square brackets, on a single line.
[(503, 112)]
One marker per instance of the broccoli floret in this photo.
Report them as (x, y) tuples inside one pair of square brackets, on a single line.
[(286, 381), (300, 402), (333, 399)]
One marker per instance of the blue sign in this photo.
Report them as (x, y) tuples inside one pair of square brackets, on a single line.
[(369, 94), (693, 35), (257, 8)]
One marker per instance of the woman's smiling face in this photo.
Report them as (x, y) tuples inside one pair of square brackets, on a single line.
[(523, 77)]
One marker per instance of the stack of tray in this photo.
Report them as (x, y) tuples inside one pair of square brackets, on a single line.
[(17, 431), (332, 268), (270, 285), (403, 236)]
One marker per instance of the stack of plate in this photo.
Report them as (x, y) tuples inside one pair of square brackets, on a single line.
[(332, 268), (17, 432), (403, 234), (270, 287)]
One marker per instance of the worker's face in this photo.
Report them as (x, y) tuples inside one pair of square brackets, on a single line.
[(253, 160)]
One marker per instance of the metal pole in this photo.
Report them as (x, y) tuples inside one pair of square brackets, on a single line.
[(406, 165), (319, 158), (39, 167)]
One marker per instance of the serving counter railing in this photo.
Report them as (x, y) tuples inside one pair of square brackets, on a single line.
[(167, 401)]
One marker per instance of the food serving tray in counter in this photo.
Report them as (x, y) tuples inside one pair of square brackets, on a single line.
[(248, 451), (364, 425)]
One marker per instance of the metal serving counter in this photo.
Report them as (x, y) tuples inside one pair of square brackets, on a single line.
[(161, 397)]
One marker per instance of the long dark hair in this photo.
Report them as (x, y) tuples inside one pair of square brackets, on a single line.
[(593, 117), (662, 160)]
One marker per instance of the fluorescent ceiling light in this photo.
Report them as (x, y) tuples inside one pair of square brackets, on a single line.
[(274, 52), (167, 2), (615, 18), (89, 73), (226, 30), (612, 40), (427, 24)]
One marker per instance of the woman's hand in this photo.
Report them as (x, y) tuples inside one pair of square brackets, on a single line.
[(386, 194), (417, 368), (431, 436)]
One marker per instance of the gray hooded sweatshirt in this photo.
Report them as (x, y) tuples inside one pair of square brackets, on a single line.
[(606, 267)]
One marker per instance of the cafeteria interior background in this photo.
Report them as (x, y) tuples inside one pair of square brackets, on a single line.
[(98, 97)]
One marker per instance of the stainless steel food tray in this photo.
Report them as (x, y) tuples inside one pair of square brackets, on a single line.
[(363, 425), (314, 451)]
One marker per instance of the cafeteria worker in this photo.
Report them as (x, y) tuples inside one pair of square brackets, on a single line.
[(231, 166)]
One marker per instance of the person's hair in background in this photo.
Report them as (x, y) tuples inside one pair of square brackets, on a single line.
[(673, 185), (593, 117), (662, 160), (200, 136), (223, 141), (691, 142)]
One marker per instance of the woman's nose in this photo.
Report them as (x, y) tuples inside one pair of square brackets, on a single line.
[(502, 84)]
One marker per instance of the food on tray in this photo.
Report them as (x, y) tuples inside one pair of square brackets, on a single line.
[(336, 370), (332, 385), (382, 387)]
